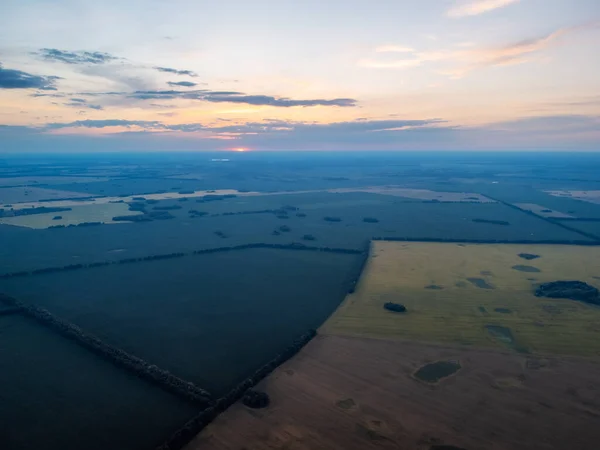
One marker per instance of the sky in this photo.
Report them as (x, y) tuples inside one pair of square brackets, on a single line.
[(199, 75)]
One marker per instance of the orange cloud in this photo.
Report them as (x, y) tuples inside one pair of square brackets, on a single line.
[(477, 7), (467, 60)]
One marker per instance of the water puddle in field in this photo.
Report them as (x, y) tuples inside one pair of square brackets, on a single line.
[(436, 371)]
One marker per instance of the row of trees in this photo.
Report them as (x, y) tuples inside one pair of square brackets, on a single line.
[(120, 358), (186, 433), (30, 211), (490, 221), (360, 268), (292, 246)]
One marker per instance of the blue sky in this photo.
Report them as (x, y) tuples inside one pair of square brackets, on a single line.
[(311, 75)]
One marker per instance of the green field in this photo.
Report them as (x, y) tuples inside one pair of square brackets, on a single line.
[(56, 395), (23, 249), (102, 212), (211, 319), (472, 295)]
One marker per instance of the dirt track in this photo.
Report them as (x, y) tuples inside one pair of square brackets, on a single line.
[(345, 393)]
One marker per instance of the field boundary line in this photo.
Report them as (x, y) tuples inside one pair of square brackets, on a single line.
[(120, 358), (70, 267), (549, 220), (193, 427)]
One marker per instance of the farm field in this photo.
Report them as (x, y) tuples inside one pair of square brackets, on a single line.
[(348, 393), (542, 211), (57, 395), (421, 194), (26, 249), (586, 196), (11, 195), (187, 316), (78, 214), (474, 295)]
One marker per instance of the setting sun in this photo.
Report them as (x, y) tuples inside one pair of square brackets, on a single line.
[(239, 149)]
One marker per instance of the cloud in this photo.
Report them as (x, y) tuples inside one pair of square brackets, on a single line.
[(550, 124), (78, 57), (394, 48), (41, 94), (572, 132), (17, 79), (189, 73), (476, 7), (105, 124), (352, 127), (182, 83), (238, 97), (467, 59), (273, 126)]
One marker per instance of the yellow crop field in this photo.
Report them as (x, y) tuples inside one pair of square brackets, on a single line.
[(474, 294)]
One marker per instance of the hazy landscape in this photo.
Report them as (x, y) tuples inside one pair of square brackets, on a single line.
[(158, 320)]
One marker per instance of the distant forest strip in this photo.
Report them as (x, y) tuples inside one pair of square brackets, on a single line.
[(186, 433), (30, 211), (292, 246), (549, 220), (120, 358)]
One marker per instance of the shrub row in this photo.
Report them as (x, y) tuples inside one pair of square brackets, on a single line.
[(83, 224), (120, 358), (186, 433), (292, 246), (30, 211), (493, 222)]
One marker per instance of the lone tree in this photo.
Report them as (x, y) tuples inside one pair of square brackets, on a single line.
[(256, 399), (395, 307)]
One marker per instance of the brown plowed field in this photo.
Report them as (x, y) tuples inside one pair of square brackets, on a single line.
[(345, 393)]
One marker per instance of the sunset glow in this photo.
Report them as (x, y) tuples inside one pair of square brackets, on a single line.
[(427, 75)]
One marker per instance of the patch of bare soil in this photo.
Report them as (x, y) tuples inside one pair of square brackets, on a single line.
[(344, 393)]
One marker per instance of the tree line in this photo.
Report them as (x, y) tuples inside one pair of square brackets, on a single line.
[(186, 433), (118, 357), (30, 211), (360, 268), (292, 246)]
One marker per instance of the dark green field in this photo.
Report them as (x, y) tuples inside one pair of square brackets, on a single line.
[(27, 249), (214, 318), (56, 395), (210, 319)]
